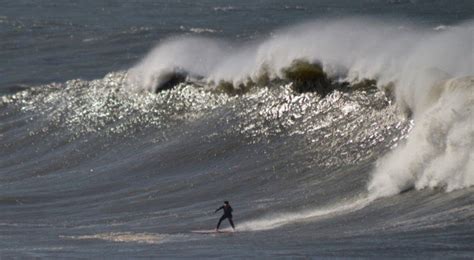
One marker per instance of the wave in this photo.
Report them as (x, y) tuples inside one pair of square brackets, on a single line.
[(352, 49), (329, 132), (297, 84), (427, 70), (423, 67)]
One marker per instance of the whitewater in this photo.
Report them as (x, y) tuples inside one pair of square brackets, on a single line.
[(426, 72), (339, 137)]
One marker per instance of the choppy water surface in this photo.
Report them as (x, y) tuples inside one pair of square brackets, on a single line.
[(335, 129)]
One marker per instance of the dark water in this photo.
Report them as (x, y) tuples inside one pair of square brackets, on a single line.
[(93, 166)]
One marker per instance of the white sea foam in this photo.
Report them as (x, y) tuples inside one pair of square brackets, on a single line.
[(441, 27), (193, 55), (350, 49), (198, 30), (225, 8), (129, 237), (281, 219), (440, 149)]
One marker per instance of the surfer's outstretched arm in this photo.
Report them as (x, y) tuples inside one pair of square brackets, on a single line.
[(219, 209)]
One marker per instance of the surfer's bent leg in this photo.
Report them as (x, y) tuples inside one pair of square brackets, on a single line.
[(231, 223), (220, 220)]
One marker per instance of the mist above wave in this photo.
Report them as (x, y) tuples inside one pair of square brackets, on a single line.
[(349, 49)]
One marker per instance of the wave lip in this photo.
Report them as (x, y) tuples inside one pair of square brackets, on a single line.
[(348, 50)]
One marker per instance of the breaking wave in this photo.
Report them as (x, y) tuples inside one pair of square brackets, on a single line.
[(421, 66), (321, 103)]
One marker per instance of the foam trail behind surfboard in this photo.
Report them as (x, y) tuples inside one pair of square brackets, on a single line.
[(281, 219)]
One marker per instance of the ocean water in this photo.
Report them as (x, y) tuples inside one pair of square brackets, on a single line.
[(334, 128)]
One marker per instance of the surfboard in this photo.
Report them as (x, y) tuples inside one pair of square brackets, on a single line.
[(213, 231)]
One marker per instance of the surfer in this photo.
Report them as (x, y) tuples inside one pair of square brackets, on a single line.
[(227, 215)]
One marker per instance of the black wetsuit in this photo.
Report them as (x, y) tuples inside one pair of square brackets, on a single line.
[(227, 215)]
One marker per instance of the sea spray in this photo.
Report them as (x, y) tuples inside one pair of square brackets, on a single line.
[(178, 56), (440, 149), (349, 50)]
